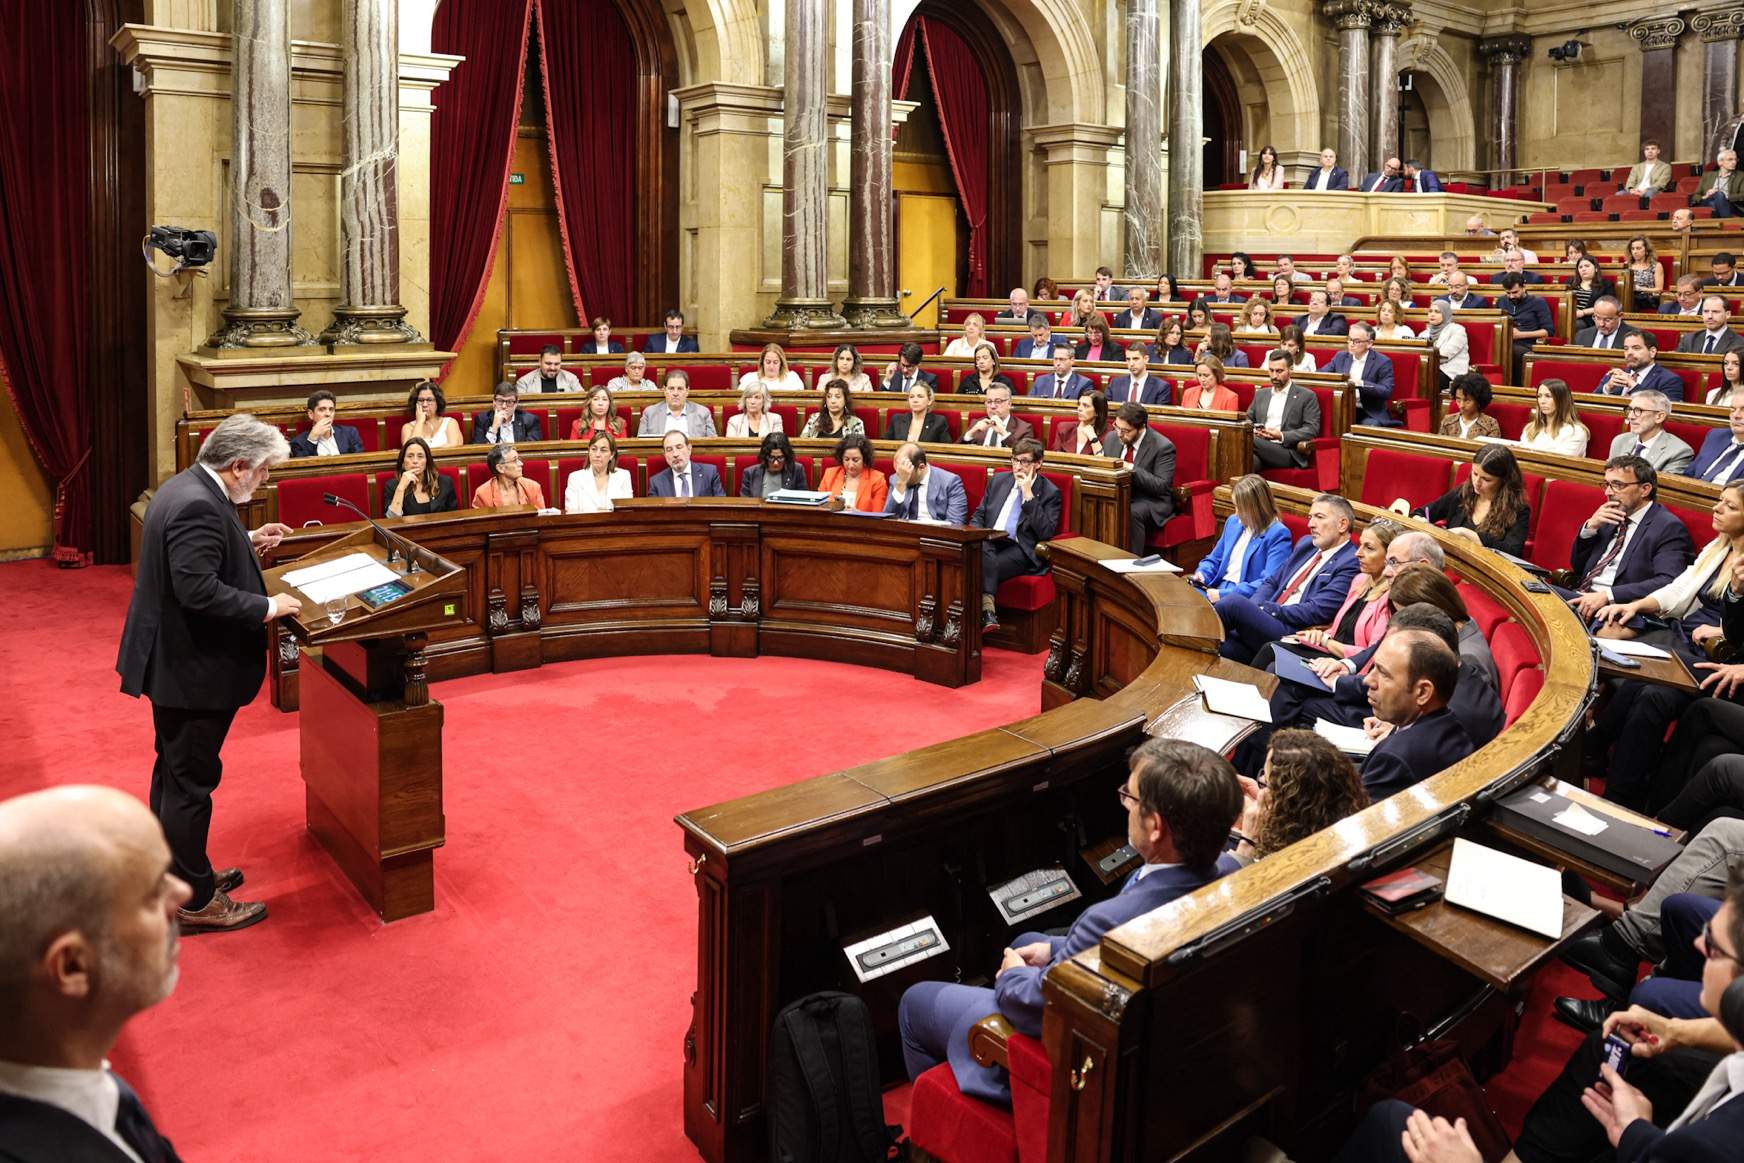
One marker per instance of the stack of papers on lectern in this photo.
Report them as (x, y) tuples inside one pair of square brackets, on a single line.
[(1241, 699), (1506, 887), (339, 578)]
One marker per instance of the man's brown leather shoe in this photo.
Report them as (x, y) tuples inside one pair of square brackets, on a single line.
[(227, 879), (221, 915)]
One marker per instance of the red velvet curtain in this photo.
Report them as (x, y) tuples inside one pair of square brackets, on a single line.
[(44, 184), (902, 60), (589, 65), (960, 93), (472, 147)]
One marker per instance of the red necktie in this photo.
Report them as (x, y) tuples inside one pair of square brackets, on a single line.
[(1128, 456), (1296, 582)]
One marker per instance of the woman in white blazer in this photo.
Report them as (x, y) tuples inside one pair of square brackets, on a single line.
[(593, 488)]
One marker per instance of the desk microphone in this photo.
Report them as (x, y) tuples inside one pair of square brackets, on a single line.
[(392, 539)]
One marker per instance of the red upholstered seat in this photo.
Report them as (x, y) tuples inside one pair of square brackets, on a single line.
[(1587, 216), (1526, 686), (1603, 426), (1665, 203), (974, 483), (1584, 177), (1322, 470), (1690, 433), (300, 503), (1699, 522), (1193, 473), (1566, 505), (1027, 592), (1512, 417), (1031, 1091), (1485, 610), (1019, 379), (1298, 526), (1621, 203), (1065, 482), (870, 417), (529, 344), (1514, 653), (1573, 205), (946, 1124), (1580, 375), (1391, 474)]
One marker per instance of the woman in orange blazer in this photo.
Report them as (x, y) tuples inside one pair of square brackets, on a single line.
[(507, 486), (1209, 392), (853, 479)]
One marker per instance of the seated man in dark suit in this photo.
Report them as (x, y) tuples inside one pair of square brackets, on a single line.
[(1370, 372), (1531, 316), (1640, 372), (673, 340), (1025, 506), (1335, 296), (323, 437), (1630, 546), (1223, 289), (1181, 800), (1320, 320), (505, 422), (1138, 384), (1387, 181), (1427, 180), (1725, 271), (1410, 681), (1305, 591), (1514, 263), (1722, 188), (1016, 308), (906, 374), (1137, 317), (88, 925), (1686, 298), (1721, 456), (1608, 330), (681, 478), (1041, 343), (1459, 295), (1151, 455), (998, 428), (1716, 336), (1064, 382), (1330, 176), (919, 490), (1284, 415)]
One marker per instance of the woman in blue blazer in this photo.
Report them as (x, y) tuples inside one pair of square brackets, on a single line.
[(1267, 546)]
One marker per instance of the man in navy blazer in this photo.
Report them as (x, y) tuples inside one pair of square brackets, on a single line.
[(1410, 682), (1137, 317), (1181, 800), (1305, 591), (1428, 181), (1320, 320), (1370, 372), (1630, 546), (1064, 382), (1138, 385), (1330, 176), (673, 340), (681, 478), (1387, 181), (323, 437), (1026, 507), (918, 489), (906, 374), (1686, 297), (1639, 372), (1041, 342), (1721, 458)]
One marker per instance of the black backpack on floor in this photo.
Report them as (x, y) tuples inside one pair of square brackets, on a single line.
[(823, 1101)]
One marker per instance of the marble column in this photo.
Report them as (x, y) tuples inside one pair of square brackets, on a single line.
[(1720, 32), (369, 198), (1144, 141), (871, 300), (261, 312), (1186, 140), (1658, 40), (1504, 54), (804, 301), (1389, 21), (1352, 18)]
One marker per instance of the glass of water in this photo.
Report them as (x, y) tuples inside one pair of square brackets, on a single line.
[(336, 611)]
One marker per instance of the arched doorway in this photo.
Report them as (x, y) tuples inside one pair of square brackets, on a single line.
[(1225, 135), (1415, 136)]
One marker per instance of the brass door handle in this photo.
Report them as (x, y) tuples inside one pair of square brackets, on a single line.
[(1081, 1073)]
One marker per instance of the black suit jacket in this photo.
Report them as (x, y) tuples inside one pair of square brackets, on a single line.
[(36, 1132), (195, 635), (936, 430), (897, 382), (1153, 473), (655, 344), (1660, 550), (527, 427), (1039, 520), (1692, 343), (613, 347), (1388, 185), (1475, 705), (1413, 754), (1149, 321), (1708, 1140), (1336, 181), (751, 480), (343, 434)]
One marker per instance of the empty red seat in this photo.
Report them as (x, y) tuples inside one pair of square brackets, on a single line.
[(1485, 610), (1514, 652), (1321, 472), (1666, 203), (949, 1125), (1573, 205), (1587, 216), (1392, 473), (1527, 683), (1582, 177), (300, 500), (1543, 218), (1566, 505), (1621, 203), (1194, 521)]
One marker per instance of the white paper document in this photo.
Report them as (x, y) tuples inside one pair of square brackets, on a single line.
[(362, 571), (1629, 648), (322, 570), (1129, 565), (1350, 740), (1577, 819), (1506, 887), (1241, 699)]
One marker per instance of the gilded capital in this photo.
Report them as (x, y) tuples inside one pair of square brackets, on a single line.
[(1660, 32), (1717, 26)]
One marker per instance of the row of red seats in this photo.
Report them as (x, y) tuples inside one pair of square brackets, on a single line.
[(1585, 375)]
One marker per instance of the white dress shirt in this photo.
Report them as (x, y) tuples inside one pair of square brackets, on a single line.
[(1320, 180), (1354, 375), (328, 445), (1632, 524), (582, 494), (1320, 561), (674, 422), (1570, 440), (91, 1096), (1275, 410), (921, 512), (1238, 556)]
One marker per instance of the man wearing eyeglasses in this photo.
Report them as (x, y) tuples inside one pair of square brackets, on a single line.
[(1647, 437), (1630, 546), (1181, 801), (1023, 505), (1721, 458)]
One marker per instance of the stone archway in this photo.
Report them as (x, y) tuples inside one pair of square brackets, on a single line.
[(1441, 86), (1274, 79)]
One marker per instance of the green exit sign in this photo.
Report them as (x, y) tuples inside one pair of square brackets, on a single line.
[(517, 179)]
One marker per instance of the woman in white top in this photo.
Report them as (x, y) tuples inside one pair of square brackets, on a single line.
[(1555, 426), (1452, 344), (634, 377), (845, 365), (592, 489), (1388, 324), (1256, 318), (974, 334), (428, 422), (1290, 343), (1268, 175), (1731, 380), (772, 372), (757, 415)]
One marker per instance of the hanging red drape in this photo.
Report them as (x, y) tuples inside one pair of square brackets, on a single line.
[(44, 184), (588, 62), (471, 149), (902, 60), (960, 94)]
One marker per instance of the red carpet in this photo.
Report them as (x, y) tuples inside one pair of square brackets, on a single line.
[(539, 1012)]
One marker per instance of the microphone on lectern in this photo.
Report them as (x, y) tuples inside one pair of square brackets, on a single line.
[(392, 539)]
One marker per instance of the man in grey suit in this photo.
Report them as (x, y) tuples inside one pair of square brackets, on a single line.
[(1151, 456), (681, 478), (1647, 437), (918, 490), (679, 415), (1608, 330), (1283, 415), (1715, 337)]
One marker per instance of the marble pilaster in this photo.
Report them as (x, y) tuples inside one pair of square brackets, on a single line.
[(1075, 158), (1720, 32), (369, 311), (871, 301), (261, 312), (1658, 40), (1186, 138), (804, 301), (1389, 22), (1504, 54), (1352, 19), (1143, 216)]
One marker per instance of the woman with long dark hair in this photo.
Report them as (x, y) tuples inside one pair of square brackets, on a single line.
[(1268, 174), (1489, 506)]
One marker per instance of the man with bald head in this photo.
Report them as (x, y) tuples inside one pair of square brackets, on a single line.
[(1410, 682), (88, 906)]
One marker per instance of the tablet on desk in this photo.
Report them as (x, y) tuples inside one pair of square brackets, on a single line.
[(378, 596)]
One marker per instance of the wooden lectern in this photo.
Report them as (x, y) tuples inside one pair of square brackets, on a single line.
[(371, 736)]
